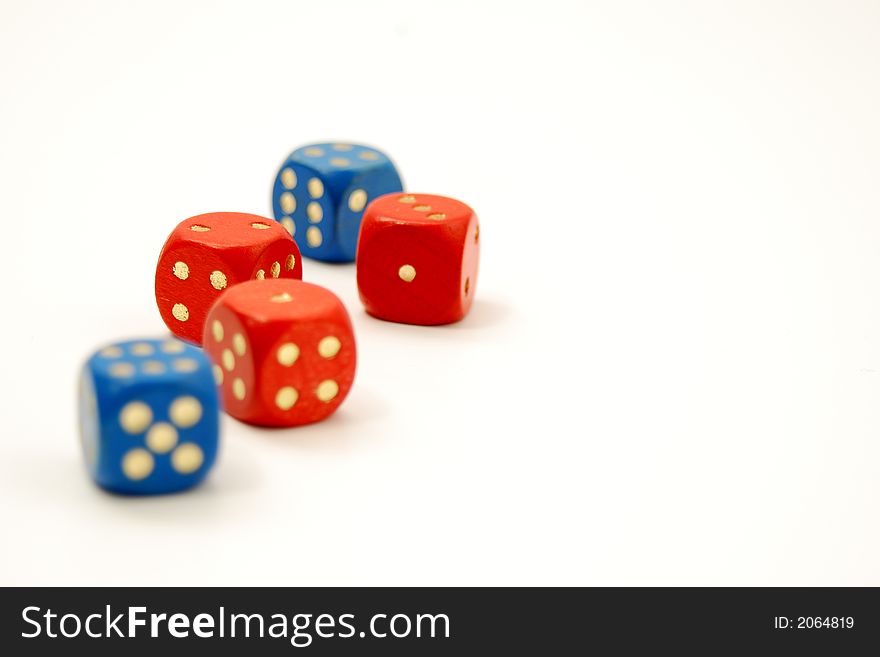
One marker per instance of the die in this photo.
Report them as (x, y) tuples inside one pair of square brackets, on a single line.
[(320, 193), (210, 252), (417, 259), (149, 418), (283, 351)]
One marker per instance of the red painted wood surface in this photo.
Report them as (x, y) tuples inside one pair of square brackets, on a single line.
[(418, 257), (283, 350), (210, 253)]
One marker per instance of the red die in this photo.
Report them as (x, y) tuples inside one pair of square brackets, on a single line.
[(208, 253), (417, 258), (283, 350)]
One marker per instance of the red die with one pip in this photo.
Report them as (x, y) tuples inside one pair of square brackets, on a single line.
[(283, 351), (210, 252), (417, 258)]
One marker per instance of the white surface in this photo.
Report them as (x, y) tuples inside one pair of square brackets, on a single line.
[(672, 371)]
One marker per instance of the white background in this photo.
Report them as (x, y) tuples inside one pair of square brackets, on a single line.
[(671, 374)]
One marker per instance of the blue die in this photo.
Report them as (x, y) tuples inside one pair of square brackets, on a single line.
[(149, 416), (320, 194)]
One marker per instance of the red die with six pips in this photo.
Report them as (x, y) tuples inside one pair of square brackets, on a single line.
[(283, 351), (210, 252)]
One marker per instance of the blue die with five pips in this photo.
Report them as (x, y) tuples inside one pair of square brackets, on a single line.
[(149, 416)]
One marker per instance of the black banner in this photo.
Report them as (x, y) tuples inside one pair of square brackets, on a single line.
[(447, 621)]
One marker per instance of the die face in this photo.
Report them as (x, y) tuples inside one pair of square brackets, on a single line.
[(148, 416), (304, 206), (208, 253), (308, 370), (281, 259), (335, 161), (228, 342), (188, 277), (418, 259), (320, 193), (300, 356)]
